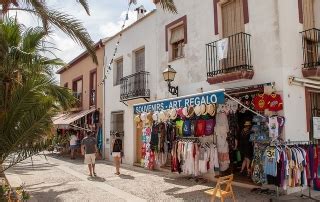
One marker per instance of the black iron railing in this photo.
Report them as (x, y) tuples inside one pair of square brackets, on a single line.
[(237, 57), (311, 46), (135, 86)]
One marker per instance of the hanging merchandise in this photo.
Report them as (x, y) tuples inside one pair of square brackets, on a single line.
[(275, 124), (275, 102), (221, 131), (222, 48), (260, 102)]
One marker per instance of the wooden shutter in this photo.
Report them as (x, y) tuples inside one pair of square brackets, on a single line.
[(139, 56), (308, 14), (177, 34), (232, 17), (118, 72)]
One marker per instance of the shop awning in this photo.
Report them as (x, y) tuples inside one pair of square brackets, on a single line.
[(67, 119), (304, 82)]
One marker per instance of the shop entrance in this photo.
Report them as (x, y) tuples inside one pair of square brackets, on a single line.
[(313, 108)]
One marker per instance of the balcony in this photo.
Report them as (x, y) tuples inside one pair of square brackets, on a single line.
[(78, 105), (234, 65), (135, 86), (311, 55)]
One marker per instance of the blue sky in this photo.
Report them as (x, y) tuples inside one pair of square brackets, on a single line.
[(105, 20)]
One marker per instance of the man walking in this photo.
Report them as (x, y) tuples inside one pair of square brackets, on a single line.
[(89, 150)]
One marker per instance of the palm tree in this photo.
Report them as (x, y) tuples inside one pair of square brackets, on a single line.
[(67, 23), (29, 95), (168, 5)]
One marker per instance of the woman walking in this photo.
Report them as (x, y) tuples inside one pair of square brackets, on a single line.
[(246, 147), (116, 152)]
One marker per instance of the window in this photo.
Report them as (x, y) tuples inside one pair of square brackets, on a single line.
[(176, 38), (118, 72), (65, 85), (139, 60), (93, 87), (117, 122), (177, 42), (77, 87), (232, 17), (308, 14)]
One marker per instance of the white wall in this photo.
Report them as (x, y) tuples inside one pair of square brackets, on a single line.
[(142, 35), (275, 47)]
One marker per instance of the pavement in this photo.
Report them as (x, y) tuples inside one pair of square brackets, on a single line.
[(55, 178)]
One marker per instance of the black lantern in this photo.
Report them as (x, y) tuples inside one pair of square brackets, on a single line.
[(168, 74)]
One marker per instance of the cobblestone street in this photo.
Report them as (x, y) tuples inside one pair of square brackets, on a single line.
[(60, 179)]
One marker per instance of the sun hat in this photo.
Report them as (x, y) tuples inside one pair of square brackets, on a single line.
[(149, 118), (203, 109), (197, 110), (167, 114), (137, 119), (247, 123), (161, 116), (185, 111), (143, 116), (190, 111), (210, 109), (155, 116), (173, 114)]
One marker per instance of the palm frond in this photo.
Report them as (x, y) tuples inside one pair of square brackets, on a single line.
[(85, 5), (168, 5)]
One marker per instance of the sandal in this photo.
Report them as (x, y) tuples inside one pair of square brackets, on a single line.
[(95, 174), (117, 173)]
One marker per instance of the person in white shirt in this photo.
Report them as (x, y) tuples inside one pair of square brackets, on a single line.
[(73, 144)]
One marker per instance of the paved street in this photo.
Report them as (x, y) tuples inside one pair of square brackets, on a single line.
[(60, 179)]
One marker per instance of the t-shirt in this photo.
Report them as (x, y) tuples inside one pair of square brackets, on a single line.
[(187, 128), (270, 161), (273, 127), (210, 123), (201, 127), (89, 144), (117, 146), (275, 102), (179, 125), (260, 102), (73, 140)]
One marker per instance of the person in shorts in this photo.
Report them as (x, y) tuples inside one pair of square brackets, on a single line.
[(116, 152), (89, 150), (73, 144)]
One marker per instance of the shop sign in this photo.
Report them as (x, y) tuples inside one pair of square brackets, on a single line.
[(185, 101), (316, 127)]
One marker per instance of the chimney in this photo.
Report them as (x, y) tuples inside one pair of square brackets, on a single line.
[(141, 11)]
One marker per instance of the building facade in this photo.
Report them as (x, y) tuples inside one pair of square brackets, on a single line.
[(270, 42), (84, 77)]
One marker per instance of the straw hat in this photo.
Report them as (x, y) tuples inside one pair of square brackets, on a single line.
[(167, 115), (143, 116), (211, 109), (155, 116), (173, 114), (247, 123), (137, 119), (203, 109), (185, 111), (197, 110), (149, 117), (161, 116), (190, 111)]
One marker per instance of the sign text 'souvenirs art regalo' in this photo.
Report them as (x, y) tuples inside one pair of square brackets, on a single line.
[(216, 97)]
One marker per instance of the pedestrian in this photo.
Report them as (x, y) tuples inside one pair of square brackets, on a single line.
[(89, 150), (116, 152), (73, 144), (246, 147)]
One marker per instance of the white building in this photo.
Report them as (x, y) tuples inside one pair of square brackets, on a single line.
[(265, 46)]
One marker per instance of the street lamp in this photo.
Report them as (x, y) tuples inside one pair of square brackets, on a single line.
[(168, 74)]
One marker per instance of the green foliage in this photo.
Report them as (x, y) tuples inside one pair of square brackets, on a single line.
[(29, 95)]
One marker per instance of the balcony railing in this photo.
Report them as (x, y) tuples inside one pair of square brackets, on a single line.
[(311, 46), (135, 86), (238, 55)]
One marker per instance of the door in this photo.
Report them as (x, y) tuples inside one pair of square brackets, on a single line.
[(232, 26), (138, 144), (313, 108)]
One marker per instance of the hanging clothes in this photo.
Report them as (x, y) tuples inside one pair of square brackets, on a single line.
[(221, 131)]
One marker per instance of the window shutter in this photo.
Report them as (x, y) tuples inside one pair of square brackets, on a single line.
[(140, 64), (308, 14), (177, 34)]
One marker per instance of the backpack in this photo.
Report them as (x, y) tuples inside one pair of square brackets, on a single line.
[(117, 147)]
